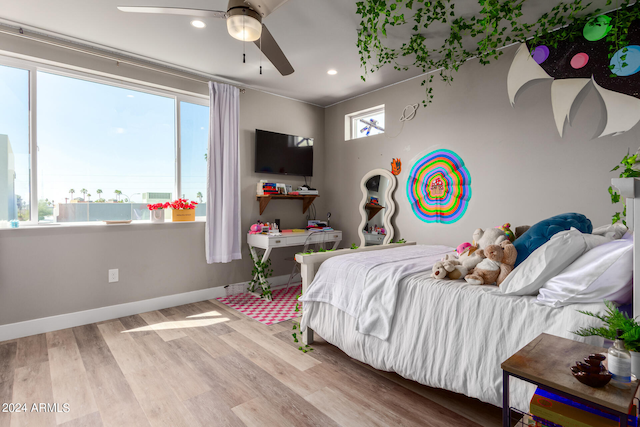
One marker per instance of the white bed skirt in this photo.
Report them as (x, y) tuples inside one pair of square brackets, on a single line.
[(451, 335)]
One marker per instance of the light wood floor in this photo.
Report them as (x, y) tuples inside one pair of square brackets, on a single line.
[(204, 364)]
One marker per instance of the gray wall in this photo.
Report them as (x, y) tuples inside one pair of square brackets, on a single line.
[(51, 271), (521, 170)]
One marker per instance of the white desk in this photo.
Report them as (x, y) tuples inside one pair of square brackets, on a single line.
[(267, 242)]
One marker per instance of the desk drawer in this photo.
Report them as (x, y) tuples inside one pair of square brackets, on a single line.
[(277, 241), (325, 237)]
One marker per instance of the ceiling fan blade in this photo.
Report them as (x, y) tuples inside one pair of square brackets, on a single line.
[(273, 52), (175, 11)]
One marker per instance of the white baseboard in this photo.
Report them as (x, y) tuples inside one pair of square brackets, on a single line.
[(79, 318)]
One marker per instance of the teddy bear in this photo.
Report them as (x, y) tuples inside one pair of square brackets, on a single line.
[(497, 265), (448, 268), (492, 236), (469, 256)]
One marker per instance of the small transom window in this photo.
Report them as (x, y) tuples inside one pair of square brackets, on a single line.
[(364, 123)]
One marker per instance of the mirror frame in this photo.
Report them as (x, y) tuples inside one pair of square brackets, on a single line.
[(389, 209)]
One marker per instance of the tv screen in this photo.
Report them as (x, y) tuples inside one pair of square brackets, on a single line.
[(283, 154)]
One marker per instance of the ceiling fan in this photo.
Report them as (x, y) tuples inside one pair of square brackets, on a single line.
[(244, 22)]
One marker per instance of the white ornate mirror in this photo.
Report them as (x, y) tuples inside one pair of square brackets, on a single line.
[(377, 207)]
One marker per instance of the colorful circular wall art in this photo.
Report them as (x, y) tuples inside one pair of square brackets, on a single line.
[(630, 57), (540, 53), (579, 60), (439, 187), (597, 28)]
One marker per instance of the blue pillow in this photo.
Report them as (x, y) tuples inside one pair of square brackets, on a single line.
[(541, 232)]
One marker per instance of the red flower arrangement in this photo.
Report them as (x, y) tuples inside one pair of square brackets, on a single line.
[(182, 204), (157, 206)]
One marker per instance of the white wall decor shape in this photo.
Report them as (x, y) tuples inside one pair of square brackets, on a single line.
[(563, 94), (623, 111), (523, 70)]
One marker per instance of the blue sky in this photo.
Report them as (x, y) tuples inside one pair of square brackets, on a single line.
[(104, 137)]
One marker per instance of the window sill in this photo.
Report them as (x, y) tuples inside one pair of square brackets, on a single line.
[(97, 224)]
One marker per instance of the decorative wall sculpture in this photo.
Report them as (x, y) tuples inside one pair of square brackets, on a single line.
[(439, 187), (574, 64)]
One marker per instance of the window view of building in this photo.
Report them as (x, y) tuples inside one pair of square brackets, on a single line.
[(14, 144)]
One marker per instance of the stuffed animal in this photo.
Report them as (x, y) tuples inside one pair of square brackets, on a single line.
[(492, 236), (507, 232), (496, 266), (449, 268), (438, 271), (470, 257)]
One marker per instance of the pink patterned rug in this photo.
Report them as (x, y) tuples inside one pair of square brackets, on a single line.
[(280, 309)]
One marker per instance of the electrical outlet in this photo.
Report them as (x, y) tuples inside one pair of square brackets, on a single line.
[(113, 275)]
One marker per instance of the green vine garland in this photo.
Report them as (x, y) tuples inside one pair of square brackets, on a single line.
[(498, 24), (261, 269), (629, 163)]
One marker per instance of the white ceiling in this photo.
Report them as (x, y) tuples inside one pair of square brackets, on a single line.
[(316, 35)]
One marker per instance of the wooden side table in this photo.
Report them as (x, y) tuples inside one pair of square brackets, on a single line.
[(545, 362)]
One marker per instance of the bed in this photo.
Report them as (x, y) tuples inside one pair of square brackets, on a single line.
[(440, 333)]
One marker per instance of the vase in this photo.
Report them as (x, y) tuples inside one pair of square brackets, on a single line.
[(183, 215), (635, 363), (157, 215)]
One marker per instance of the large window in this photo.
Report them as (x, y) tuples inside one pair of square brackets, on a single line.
[(104, 150), (14, 144)]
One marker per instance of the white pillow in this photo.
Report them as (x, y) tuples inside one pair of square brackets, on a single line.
[(593, 241), (613, 231), (544, 263), (604, 273)]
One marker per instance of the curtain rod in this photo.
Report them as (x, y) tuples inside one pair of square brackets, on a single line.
[(118, 60)]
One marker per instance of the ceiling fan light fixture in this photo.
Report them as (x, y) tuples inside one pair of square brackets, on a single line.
[(198, 24), (243, 26)]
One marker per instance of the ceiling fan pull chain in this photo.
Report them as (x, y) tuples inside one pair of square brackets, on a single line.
[(244, 45), (260, 55)]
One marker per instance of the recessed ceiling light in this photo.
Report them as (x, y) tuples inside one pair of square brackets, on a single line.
[(332, 72), (198, 24)]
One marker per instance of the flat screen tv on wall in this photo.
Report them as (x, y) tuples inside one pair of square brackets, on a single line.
[(283, 154)]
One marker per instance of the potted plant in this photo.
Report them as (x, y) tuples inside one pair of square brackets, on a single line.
[(156, 211), (183, 210), (613, 319)]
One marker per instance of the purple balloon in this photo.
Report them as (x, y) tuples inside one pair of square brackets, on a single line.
[(540, 54)]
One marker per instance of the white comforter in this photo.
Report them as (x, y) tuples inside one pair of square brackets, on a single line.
[(365, 284), (451, 335)]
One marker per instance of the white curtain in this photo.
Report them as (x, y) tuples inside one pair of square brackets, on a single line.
[(223, 175)]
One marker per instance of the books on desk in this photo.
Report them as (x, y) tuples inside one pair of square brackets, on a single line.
[(269, 188)]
